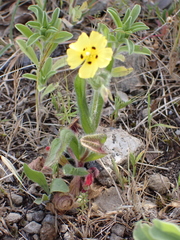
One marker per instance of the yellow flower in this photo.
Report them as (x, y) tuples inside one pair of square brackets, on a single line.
[(89, 52)]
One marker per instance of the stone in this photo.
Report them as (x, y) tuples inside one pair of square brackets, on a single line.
[(32, 227), (29, 216), (119, 144), (64, 228), (109, 200), (118, 229), (104, 177), (38, 216), (68, 236), (115, 237), (149, 209), (16, 199), (159, 183), (49, 219), (13, 217), (97, 7), (48, 232)]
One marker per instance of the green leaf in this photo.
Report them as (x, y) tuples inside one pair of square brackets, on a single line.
[(103, 29), (68, 169), (62, 36), (29, 51), (179, 179), (135, 12), (115, 16), (37, 177), (94, 156), (142, 50), (76, 147), (59, 63), (54, 17), (139, 156), (58, 185), (49, 89), (38, 12), (137, 49), (30, 76), (44, 198), (130, 46), (33, 38), (34, 24), (141, 232), (58, 146), (127, 24), (47, 66), (121, 71), (80, 88), (126, 16), (50, 74), (4, 49), (138, 26), (45, 20), (132, 159), (164, 230), (120, 57), (24, 30)]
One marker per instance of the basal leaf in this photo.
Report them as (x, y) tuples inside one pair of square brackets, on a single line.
[(58, 185), (68, 169), (37, 177)]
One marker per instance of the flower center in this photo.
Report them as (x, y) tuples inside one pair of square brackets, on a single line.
[(89, 54)]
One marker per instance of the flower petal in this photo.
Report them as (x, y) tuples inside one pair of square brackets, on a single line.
[(82, 42), (104, 57), (88, 71), (98, 40), (74, 58)]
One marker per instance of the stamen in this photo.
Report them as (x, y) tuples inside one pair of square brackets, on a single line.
[(96, 56), (81, 56), (93, 47), (89, 62)]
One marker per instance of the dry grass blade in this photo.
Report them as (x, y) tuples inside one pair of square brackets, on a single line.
[(11, 168)]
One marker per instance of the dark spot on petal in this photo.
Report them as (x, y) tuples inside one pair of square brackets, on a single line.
[(93, 47), (89, 62), (96, 56), (81, 56)]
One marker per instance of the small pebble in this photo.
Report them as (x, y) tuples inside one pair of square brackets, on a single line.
[(118, 229), (16, 199), (35, 237), (115, 237), (49, 219), (159, 183), (13, 217), (64, 228), (177, 132), (67, 236), (29, 216), (48, 232), (32, 227), (38, 216)]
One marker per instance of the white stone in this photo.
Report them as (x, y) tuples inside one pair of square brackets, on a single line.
[(119, 145)]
